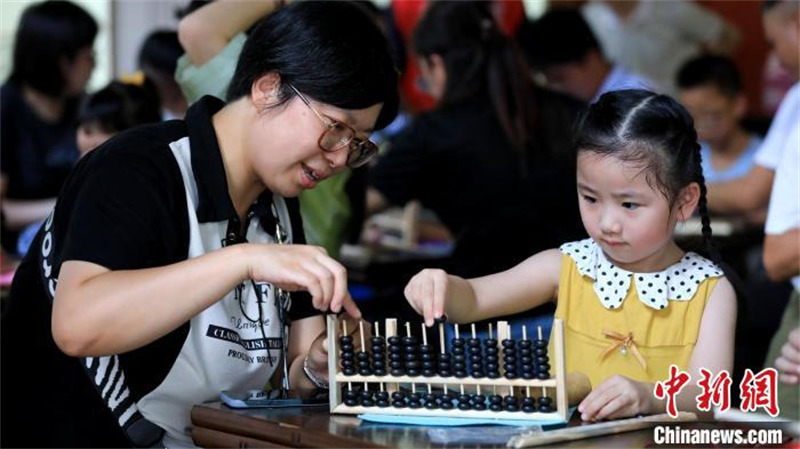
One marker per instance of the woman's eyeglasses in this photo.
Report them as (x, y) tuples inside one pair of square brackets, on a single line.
[(338, 136)]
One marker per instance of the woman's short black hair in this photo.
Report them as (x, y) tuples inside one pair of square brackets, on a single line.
[(47, 33), (160, 52), (332, 52)]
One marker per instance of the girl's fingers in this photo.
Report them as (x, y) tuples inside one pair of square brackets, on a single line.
[(615, 408), (426, 297), (439, 294), (595, 401), (790, 353)]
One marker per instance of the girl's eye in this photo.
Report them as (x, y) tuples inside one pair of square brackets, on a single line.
[(589, 199), (630, 206)]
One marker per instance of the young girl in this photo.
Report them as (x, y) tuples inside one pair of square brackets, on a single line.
[(632, 301)]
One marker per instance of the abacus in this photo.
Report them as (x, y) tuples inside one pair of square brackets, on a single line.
[(469, 381)]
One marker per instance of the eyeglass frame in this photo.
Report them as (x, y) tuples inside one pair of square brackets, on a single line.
[(329, 124)]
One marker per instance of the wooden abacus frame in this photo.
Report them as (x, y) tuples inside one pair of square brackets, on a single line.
[(337, 379)]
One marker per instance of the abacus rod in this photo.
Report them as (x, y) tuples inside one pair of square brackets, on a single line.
[(441, 337), (361, 331), (424, 335)]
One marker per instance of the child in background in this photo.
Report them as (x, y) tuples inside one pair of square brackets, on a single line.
[(115, 108), (112, 109), (711, 89), (638, 171)]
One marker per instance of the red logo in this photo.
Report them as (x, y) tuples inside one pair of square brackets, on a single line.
[(669, 388), (760, 390)]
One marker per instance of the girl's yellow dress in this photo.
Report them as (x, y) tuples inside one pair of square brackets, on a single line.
[(633, 324)]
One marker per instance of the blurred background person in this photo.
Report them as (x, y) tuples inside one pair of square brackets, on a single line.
[(158, 58), (52, 63), (711, 89), (483, 157), (563, 49), (654, 38)]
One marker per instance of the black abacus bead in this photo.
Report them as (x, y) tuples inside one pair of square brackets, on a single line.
[(351, 402), (545, 400), (512, 408), (476, 358), (464, 406), (543, 367), (362, 355), (540, 343), (349, 371), (351, 394), (399, 404), (412, 372), (346, 363), (380, 372), (367, 403), (398, 396), (510, 374), (396, 357), (492, 367), (509, 343), (428, 364), (495, 399), (540, 352), (445, 373), (394, 340), (528, 375), (545, 409), (396, 372), (478, 374), (525, 343), (509, 400), (463, 398), (528, 408), (365, 372), (431, 405), (528, 400), (542, 359), (346, 339), (394, 364), (542, 375), (382, 395), (478, 398), (496, 407), (446, 405), (414, 404), (480, 406), (382, 404), (428, 357), (460, 374), (364, 364), (412, 364), (428, 372)]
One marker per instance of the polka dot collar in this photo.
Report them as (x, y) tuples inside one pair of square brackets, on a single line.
[(677, 283)]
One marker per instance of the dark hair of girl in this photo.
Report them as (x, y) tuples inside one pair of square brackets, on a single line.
[(48, 33), (332, 52), (479, 59), (120, 106), (655, 132)]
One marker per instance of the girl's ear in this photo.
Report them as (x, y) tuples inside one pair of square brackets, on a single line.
[(688, 198), (264, 90)]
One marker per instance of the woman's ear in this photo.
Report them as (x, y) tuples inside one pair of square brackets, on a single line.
[(264, 90), (688, 198)]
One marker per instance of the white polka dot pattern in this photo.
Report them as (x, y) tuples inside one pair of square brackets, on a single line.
[(679, 282)]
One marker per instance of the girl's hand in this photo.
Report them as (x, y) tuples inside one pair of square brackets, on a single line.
[(303, 267), (427, 292), (617, 397), (788, 364)]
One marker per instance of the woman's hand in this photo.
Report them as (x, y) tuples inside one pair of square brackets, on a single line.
[(788, 364), (617, 397), (303, 267), (318, 351), (427, 293)]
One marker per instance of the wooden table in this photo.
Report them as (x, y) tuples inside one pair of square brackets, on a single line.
[(216, 425)]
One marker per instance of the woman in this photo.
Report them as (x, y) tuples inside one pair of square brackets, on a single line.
[(166, 243), (53, 61)]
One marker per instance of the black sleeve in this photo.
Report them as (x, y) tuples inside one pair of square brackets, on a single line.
[(129, 210), (302, 306), (400, 174)]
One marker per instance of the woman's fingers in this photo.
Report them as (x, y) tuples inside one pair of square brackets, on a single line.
[(339, 279)]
